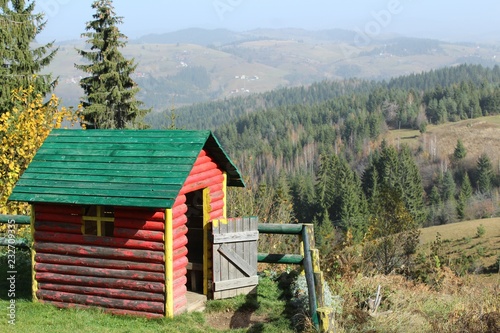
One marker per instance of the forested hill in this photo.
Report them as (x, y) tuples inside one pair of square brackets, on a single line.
[(324, 156), (314, 153), (211, 115)]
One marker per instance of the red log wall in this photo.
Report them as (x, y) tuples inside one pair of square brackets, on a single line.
[(124, 274), (205, 174)]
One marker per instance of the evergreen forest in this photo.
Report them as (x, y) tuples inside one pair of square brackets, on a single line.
[(319, 150)]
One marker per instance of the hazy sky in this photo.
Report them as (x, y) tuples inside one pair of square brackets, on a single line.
[(442, 19)]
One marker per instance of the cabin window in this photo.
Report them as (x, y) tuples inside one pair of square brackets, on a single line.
[(98, 220)]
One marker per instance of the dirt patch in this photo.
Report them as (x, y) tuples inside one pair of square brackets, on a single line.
[(234, 320)]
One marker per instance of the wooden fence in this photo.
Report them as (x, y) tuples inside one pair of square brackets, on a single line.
[(321, 315)]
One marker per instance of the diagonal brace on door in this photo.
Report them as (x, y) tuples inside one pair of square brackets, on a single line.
[(239, 262)]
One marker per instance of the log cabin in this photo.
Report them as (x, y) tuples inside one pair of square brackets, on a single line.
[(135, 222)]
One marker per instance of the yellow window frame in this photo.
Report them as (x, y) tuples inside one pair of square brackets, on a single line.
[(99, 219)]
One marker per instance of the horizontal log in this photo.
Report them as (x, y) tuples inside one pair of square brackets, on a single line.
[(202, 160), (180, 305), (113, 303), (275, 228), (180, 231), (179, 210), (100, 252), (147, 235), (179, 242), (98, 262), (280, 258), (198, 177), (98, 241), (216, 214), (66, 228), (179, 221), (216, 205), (105, 292), (190, 187), (59, 209), (100, 272), (179, 200), (139, 224), (179, 263), (179, 252), (202, 167), (140, 214), (179, 291), (101, 282), (119, 312), (180, 281), (58, 217), (179, 273), (216, 195), (216, 187)]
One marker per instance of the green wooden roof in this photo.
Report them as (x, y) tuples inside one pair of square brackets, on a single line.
[(132, 168)]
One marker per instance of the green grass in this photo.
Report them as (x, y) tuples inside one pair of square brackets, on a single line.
[(41, 318), (463, 248), (269, 310)]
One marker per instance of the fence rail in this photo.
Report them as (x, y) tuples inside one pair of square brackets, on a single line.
[(18, 219)]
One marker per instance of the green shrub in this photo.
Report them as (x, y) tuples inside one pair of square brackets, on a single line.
[(480, 231)]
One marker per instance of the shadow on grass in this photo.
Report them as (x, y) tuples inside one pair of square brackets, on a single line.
[(242, 317), (15, 275), (272, 305)]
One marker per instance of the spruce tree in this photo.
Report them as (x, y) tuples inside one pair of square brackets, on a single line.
[(484, 173), (352, 205), (21, 62), (435, 197), (325, 187), (109, 100), (411, 185), (466, 188), (460, 152), (395, 171), (449, 187)]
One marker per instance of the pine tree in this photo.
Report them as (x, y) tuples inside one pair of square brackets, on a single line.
[(466, 188), (21, 63), (484, 173), (410, 182), (395, 171), (460, 152), (325, 182), (461, 204), (352, 206), (435, 197), (449, 187), (109, 100)]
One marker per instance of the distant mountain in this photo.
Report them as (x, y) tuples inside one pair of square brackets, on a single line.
[(219, 37), (332, 35), (196, 36), (197, 65)]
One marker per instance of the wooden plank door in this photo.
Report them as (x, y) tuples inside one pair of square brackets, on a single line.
[(234, 256)]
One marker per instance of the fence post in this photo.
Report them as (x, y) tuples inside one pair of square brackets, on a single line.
[(308, 268)]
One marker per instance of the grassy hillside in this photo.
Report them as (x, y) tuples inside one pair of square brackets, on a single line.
[(480, 135), (463, 239)]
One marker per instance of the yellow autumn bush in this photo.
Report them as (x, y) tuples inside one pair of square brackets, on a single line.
[(22, 132)]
